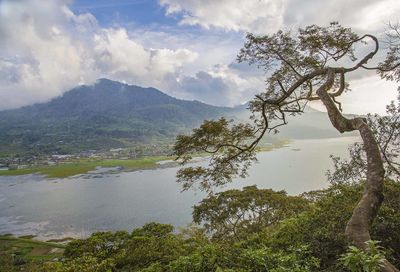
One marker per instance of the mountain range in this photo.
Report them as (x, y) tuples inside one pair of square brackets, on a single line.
[(110, 114)]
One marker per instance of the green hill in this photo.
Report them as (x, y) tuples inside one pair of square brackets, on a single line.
[(101, 116)]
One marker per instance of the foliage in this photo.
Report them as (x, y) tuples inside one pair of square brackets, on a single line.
[(153, 243), (100, 244), (206, 258), (368, 260), (322, 228), (81, 264), (155, 248), (390, 68), (222, 139), (211, 258), (238, 213)]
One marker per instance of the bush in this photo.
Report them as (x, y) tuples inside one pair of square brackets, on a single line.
[(369, 260)]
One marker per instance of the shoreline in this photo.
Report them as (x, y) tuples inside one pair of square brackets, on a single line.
[(86, 166), (73, 168), (159, 163)]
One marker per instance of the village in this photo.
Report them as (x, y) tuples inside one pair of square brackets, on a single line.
[(130, 153)]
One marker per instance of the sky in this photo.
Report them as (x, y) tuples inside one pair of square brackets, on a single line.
[(185, 48)]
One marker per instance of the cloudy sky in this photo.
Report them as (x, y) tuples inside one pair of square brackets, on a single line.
[(186, 48)]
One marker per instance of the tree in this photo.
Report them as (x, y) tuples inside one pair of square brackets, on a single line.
[(311, 64), (236, 213), (386, 128)]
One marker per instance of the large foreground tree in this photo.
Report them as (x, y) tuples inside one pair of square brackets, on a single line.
[(311, 64)]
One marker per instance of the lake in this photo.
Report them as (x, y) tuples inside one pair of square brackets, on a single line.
[(77, 206)]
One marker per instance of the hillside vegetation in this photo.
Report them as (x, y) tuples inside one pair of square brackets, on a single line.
[(105, 115)]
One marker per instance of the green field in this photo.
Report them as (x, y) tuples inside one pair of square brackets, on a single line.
[(71, 168), (23, 251), (83, 166)]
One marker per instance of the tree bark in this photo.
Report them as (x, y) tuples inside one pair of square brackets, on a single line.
[(357, 229)]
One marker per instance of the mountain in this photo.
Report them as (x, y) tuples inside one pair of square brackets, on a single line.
[(101, 116), (111, 114)]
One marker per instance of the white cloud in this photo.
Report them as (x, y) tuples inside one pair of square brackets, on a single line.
[(219, 86), (362, 15), (118, 54), (257, 16), (122, 58), (37, 52), (368, 94), (46, 49), (265, 17)]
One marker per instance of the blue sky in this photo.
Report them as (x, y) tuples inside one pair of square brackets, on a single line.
[(141, 12), (186, 48)]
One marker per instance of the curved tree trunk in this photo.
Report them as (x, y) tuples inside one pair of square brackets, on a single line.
[(357, 229)]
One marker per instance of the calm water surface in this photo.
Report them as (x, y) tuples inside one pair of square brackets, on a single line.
[(80, 205)]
